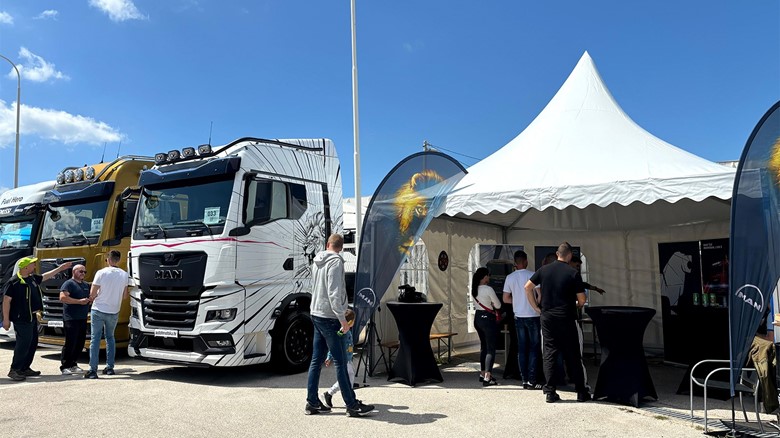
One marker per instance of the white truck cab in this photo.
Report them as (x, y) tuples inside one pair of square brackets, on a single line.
[(222, 247), (21, 215)]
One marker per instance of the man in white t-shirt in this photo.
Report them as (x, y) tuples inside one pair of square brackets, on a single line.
[(527, 322), (109, 289)]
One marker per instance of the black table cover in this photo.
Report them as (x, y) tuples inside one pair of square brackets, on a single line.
[(623, 374), (414, 362)]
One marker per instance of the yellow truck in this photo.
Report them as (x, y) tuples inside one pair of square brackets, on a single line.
[(90, 212)]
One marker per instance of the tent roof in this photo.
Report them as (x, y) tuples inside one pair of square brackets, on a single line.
[(583, 150)]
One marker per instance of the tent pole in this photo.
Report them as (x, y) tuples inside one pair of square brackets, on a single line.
[(449, 279), (627, 265)]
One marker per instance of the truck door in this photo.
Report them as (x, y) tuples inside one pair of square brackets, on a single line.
[(265, 256)]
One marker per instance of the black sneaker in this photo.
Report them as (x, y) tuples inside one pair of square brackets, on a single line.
[(91, 375), (328, 399), (359, 409), (490, 382), (30, 373), (312, 410), (584, 397), (109, 371), (552, 397), (17, 376)]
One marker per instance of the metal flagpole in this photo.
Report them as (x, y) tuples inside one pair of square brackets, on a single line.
[(356, 134)]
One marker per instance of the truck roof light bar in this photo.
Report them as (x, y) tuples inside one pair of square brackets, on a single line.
[(188, 152), (160, 158), (173, 155), (204, 149)]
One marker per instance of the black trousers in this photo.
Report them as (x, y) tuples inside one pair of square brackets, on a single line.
[(487, 329), (75, 335), (559, 336), (26, 344)]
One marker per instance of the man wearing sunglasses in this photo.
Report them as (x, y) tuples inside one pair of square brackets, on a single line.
[(74, 295)]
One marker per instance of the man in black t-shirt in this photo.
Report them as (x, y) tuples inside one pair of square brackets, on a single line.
[(562, 293), (21, 303), (74, 295)]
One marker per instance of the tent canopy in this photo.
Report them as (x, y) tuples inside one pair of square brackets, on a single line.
[(579, 161)]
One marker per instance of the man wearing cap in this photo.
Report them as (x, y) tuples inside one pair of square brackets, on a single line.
[(21, 302)]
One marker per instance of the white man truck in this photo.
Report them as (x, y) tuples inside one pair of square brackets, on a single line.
[(222, 249), (21, 216)]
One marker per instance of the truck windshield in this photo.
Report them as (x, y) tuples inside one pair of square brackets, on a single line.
[(16, 234), (181, 211), (73, 224)]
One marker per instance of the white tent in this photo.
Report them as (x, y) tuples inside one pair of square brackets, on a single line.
[(582, 151), (583, 172)]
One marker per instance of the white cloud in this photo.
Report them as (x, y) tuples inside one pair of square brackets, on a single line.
[(49, 124), (118, 10), (6, 18), (36, 69), (47, 14)]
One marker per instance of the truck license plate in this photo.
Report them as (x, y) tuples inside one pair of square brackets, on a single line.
[(159, 333), (56, 324)]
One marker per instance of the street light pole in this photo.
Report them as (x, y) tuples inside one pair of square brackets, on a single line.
[(18, 108)]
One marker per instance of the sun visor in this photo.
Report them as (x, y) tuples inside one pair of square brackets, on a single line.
[(83, 191), (190, 170)]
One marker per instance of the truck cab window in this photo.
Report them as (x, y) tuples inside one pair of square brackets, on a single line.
[(266, 201), (125, 215)]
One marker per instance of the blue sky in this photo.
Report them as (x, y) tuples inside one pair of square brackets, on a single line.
[(467, 76)]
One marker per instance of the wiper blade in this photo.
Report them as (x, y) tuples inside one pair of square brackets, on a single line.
[(208, 228), (163, 231), (53, 239), (82, 242)]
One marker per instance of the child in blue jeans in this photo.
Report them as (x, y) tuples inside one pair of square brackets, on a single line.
[(348, 346)]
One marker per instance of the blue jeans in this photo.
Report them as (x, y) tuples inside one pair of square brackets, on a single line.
[(529, 332), (326, 338), (102, 323), (26, 344)]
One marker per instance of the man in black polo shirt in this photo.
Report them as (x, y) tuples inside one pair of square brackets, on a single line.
[(21, 303), (74, 295), (561, 293)]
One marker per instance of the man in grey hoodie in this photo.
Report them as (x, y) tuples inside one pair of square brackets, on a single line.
[(328, 306)]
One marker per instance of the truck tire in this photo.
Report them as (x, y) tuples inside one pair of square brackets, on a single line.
[(292, 342)]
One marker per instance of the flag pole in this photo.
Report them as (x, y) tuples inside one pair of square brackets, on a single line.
[(356, 133)]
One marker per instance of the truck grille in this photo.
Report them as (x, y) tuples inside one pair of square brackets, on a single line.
[(169, 314)]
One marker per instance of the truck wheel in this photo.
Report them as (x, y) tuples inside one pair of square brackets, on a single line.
[(292, 342)]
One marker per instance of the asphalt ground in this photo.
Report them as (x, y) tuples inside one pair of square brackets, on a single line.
[(153, 400)]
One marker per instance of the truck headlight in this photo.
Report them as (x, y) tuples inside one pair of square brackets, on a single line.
[(221, 315)]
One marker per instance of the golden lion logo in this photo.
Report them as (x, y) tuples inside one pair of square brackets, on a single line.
[(774, 160), (410, 204)]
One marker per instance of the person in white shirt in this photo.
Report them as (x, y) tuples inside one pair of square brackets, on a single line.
[(486, 322), (109, 289), (527, 322)]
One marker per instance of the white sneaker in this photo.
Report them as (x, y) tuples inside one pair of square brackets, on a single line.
[(72, 370)]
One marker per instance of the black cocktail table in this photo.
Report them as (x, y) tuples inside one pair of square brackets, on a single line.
[(414, 362), (623, 375)]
